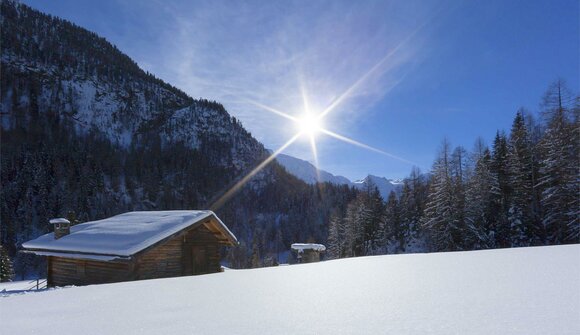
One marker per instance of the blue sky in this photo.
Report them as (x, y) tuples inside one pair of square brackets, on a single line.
[(430, 69)]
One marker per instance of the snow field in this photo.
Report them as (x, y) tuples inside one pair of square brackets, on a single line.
[(508, 291)]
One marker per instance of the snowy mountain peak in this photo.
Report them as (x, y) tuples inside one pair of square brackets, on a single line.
[(384, 185), (309, 173)]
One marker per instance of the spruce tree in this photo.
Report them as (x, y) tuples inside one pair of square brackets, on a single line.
[(6, 269), (520, 172), (482, 197), (372, 219), (394, 231), (334, 245), (408, 212), (559, 166), (440, 216), (499, 168), (459, 172)]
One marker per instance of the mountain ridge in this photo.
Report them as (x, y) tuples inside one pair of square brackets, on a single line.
[(308, 173), (119, 99)]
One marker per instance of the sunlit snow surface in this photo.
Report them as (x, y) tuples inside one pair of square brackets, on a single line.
[(510, 291)]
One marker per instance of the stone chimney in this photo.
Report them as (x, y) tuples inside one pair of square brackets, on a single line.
[(61, 227)]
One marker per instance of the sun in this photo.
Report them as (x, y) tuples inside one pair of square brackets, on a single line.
[(309, 124)]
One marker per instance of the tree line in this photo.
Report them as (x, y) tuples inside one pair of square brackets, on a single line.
[(523, 191)]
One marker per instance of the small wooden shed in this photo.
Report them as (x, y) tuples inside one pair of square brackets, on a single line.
[(308, 252), (133, 246)]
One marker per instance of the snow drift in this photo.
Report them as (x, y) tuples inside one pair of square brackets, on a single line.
[(509, 291)]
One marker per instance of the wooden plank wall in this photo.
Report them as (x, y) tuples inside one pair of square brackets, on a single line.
[(173, 258), (161, 261), (201, 237), (69, 271)]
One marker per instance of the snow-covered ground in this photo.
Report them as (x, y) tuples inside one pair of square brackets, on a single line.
[(510, 291), (22, 285)]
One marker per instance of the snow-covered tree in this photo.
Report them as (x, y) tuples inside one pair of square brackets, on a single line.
[(353, 231), (520, 168), (394, 231), (6, 269), (499, 168), (559, 167), (411, 204), (440, 217), (334, 242), (482, 197), (408, 213), (373, 217)]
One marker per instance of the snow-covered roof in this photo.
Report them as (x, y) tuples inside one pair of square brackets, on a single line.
[(59, 220), (126, 234), (308, 246), (92, 257)]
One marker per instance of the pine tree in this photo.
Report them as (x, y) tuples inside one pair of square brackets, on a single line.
[(355, 221), (499, 168), (6, 269), (440, 216), (459, 172), (256, 259), (535, 132), (394, 231), (408, 212), (482, 199), (373, 213), (559, 168), (334, 237), (520, 173), (411, 205)]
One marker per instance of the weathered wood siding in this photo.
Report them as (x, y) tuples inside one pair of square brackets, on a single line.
[(310, 256), (161, 261), (201, 237), (69, 271)]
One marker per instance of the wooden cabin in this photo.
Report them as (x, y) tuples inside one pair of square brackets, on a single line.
[(133, 246), (308, 252)]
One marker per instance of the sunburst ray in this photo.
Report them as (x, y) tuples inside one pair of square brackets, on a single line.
[(362, 145), (230, 192), (271, 109), (315, 156), (336, 102)]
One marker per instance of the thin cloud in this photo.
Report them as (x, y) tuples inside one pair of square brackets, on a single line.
[(236, 52)]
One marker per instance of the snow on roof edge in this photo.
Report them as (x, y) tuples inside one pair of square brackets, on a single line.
[(47, 243), (308, 246), (225, 228), (58, 220), (94, 257)]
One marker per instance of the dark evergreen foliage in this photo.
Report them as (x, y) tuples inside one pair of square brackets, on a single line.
[(6, 270)]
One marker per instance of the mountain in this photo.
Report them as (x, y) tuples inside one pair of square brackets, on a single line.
[(80, 77), (384, 185), (309, 173), (88, 134)]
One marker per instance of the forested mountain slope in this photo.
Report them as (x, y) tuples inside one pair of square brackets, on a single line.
[(86, 131)]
